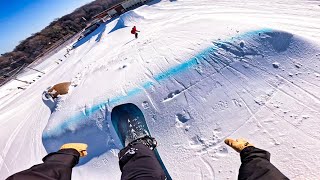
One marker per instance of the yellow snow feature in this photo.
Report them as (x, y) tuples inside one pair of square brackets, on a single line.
[(59, 89)]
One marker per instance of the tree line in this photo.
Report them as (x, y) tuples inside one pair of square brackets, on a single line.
[(38, 43)]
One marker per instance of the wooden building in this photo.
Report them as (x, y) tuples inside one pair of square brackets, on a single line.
[(119, 9)]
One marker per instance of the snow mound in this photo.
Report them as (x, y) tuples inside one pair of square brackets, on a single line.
[(130, 18), (199, 72), (236, 67)]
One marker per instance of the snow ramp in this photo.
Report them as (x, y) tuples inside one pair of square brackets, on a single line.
[(262, 85), (128, 19), (200, 71)]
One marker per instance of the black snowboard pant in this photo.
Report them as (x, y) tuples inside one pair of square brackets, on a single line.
[(139, 162)]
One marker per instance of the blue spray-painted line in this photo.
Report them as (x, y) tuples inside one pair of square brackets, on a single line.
[(77, 118)]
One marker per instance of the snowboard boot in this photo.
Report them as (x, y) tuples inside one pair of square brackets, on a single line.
[(142, 149), (135, 147), (131, 149)]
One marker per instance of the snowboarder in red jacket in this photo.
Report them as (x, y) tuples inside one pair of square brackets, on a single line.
[(135, 31)]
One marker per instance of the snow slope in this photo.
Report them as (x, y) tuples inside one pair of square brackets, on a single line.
[(200, 71)]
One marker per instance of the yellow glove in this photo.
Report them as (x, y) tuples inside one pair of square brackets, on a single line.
[(80, 147), (238, 144)]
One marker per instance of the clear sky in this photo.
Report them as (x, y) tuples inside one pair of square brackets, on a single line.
[(20, 18)]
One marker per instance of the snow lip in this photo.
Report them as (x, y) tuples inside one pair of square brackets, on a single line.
[(80, 117), (94, 121)]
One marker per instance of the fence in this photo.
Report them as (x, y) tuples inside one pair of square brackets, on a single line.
[(49, 52)]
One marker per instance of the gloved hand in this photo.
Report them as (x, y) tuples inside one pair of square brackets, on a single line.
[(80, 147), (238, 144)]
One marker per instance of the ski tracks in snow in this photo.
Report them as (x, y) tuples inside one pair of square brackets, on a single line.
[(266, 85), (231, 92)]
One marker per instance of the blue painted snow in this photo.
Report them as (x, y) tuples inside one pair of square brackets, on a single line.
[(80, 118)]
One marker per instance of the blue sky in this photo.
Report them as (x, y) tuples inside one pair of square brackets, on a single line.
[(20, 18)]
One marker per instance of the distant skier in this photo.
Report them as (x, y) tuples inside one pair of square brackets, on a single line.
[(135, 31)]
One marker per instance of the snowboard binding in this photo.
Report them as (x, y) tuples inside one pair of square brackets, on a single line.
[(146, 140)]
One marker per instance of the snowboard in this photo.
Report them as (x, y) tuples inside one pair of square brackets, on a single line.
[(128, 117)]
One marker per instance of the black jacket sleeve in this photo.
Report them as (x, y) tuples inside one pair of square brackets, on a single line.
[(256, 165), (55, 166)]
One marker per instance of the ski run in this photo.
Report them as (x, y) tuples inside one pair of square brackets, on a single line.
[(200, 71)]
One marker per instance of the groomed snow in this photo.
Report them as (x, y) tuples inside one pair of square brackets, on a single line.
[(201, 71)]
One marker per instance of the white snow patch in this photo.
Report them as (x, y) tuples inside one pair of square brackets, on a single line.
[(200, 75)]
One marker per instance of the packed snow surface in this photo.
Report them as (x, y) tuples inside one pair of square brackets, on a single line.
[(201, 71)]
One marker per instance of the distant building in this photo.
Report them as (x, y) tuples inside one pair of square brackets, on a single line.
[(89, 29), (119, 9), (132, 3), (105, 15)]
